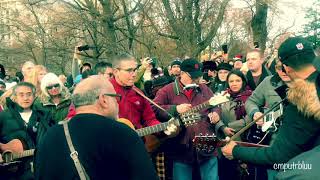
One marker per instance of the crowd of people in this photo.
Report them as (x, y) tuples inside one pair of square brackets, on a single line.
[(128, 118)]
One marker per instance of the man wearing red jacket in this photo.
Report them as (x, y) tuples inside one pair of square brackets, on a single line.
[(132, 106)]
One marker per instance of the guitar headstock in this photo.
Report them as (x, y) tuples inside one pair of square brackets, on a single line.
[(190, 118), (219, 99), (206, 143)]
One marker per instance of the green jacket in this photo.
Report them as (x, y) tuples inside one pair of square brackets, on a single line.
[(298, 133), (60, 111)]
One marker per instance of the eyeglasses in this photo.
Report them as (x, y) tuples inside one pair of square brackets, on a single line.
[(117, 96), (129, 70), (53, 86)]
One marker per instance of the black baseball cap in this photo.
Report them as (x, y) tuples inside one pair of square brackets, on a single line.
[(295, 47), (193, 67)]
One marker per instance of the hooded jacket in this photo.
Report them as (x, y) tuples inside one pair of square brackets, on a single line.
[(300, 129)]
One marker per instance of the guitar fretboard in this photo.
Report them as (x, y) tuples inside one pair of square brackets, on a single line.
[(26, 153), (152, 129), (197, 108)]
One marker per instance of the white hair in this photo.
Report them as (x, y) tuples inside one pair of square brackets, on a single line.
[(50, 79)]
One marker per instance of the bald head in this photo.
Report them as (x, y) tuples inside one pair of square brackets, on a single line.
[(87, 91), (91, 83)]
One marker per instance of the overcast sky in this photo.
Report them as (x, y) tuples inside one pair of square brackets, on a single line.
[(290, 11)]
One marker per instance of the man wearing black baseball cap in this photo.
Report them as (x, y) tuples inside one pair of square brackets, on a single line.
[(301, 118)]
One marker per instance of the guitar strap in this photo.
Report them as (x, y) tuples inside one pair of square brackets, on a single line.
[(74, 154), (152, 102)]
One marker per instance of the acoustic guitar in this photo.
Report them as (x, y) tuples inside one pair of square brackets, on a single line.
[(8, 157), (151, 141)]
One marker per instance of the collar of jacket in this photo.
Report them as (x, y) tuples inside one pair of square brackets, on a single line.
[(304, 94), (117, 86), (265, 73), (176, 87)]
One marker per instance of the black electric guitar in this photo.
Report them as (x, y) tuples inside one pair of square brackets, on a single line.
[(206, 144)]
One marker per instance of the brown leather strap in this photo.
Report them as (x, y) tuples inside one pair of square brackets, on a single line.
[(148, 99), (74, 154)]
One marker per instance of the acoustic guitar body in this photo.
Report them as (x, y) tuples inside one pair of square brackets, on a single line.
[(151, 143)]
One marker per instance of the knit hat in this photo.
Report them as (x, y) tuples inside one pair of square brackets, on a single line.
[(176, 62), (209, 65), (193, 67), (296, 48), (50, 79), (224, 66)]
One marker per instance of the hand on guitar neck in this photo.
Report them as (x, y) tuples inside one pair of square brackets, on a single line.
[(14, 146)]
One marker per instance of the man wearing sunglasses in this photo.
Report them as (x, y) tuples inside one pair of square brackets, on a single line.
[(107, 149), (299, 131), (133, 106)]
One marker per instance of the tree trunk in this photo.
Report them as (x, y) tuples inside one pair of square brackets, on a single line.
[(259, 24)]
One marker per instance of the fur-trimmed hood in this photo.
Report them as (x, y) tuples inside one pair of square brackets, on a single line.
[(304, 95)]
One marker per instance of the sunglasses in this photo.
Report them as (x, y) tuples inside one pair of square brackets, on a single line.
[(53, 86)]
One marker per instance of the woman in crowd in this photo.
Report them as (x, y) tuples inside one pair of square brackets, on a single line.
[(56, 97), (230, 118), (38, 73)]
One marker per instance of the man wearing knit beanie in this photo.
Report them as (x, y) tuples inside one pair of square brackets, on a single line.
[(175, 67)]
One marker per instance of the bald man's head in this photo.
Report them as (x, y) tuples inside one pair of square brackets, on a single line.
[(87, 91), (93, 83)]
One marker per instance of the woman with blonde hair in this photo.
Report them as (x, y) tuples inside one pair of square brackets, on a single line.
[(56, 97), (38, 73)]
